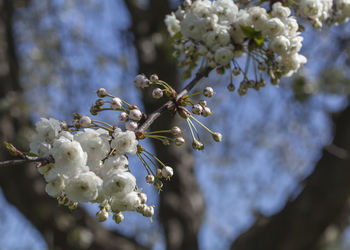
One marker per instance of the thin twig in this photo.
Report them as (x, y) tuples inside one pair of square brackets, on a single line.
[(27, 159), (153, 116)]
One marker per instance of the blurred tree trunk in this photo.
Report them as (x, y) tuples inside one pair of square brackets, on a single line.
[(302, 222), (22, 185), (181, 203)]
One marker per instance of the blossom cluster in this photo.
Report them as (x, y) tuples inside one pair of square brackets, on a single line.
[(90, 165), (218, 34)]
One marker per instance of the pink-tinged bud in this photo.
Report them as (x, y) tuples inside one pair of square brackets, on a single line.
[(208, 92), (102, 92), (123, 117), (183, 112), (217, 136), (154, 78), (135, 115), (131, 125), (85, 122), (176, 130), (150, 179), (118, 217), (167, 172), (157, 93), (116, 103), (179, 141), (203, 103), (206, 112), (102, 215), (197, 109)]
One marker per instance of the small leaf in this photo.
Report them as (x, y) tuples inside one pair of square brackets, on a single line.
[(12, 149), (178, 35), (30, 154), (248, 31)]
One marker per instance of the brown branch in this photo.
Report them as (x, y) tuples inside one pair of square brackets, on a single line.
[(152, 117)]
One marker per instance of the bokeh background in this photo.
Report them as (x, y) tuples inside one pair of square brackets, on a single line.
[(280, 180)]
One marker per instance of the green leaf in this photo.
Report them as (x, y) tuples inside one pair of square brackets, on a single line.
[(248, 31), (12, 149), (178, 35), (259, 41), (30, 154)]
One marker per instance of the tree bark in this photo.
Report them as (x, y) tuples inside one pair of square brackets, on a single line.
[(22, 185), (302, 222), (181, 203)]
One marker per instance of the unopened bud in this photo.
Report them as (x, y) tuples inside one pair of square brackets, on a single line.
[(236, 71), (100, 102), (197, 109), (135, 115), (141, 81), (102, 215), (197, 145), (231, 87), (206, 111), (102, 92), (157, 93), (73, 205), (167, 172), (150, 179), (148, 211), (85, 122), (159, 173), (131, 125), (94, 109), (123, 117), (176, 130), (116, 103), (203, 103), (179, 141), (208, 92), (143, 197), (183, 112), (217, 136), (154, 78), (118, 217), (158, 184)]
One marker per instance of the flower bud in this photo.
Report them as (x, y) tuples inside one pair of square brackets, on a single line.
[(158, 184), (167, 172), (141, 81), (197, 145), (94, 109), (102, 92), (148, 211), (100, 102), (183, 112), (143, 197), (150, 179), (64, 125), (123, 117), (206, 112), (165, 142), (157, 93), (203, 103), (208, 92), (116, 103), (140, 209), (179, 141), (73, 205), (135, 115), (154, 78), (131, 125), (176, 130), (102, 215), (217, 136), (197, 109), (85, 122), (231, 87), (236, 71), (159, 173), (118, 217)]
